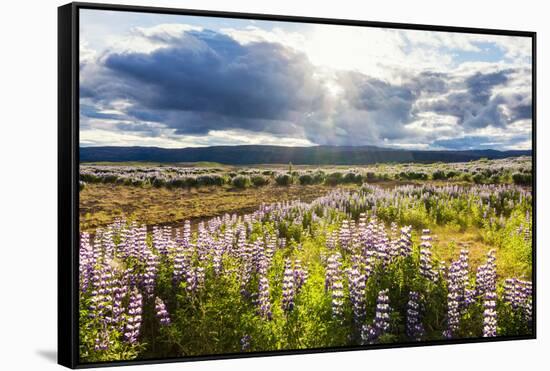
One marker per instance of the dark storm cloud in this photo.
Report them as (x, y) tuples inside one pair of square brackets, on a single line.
[(207, 81), (93, 112), (429, 82), (374, 95), (480, 85), (475, 106)]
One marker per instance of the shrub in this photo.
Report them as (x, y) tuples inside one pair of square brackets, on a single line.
[(350, 177), (110, 179), (283, 179), (176, 183), (259, 180), (90, 178), (241, 181), (439, 175), (210, 180), (319, 177), (190, 181), (466, 177), (158, 182), (305, 179), (334, 178), (495, 179), (452, 174), (479, 178), (522, 179)]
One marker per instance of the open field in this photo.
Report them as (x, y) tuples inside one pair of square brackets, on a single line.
[(354, 260), (102, 204)]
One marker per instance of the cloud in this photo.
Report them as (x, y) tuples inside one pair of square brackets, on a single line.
[(487, 142), (207, 81), (185, 85), (476, 102)]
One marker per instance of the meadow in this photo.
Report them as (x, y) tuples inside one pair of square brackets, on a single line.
[(198, 259)]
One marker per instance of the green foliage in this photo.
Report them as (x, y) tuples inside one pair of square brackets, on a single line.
[(241, 181), (334, 178), (305, 179), (522, 179), (259, 180), (283, 179)]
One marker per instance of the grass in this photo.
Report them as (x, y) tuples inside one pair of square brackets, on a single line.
[(101, 204), (449, 240)]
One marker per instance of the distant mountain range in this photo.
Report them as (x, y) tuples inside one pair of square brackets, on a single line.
[(259, 154)]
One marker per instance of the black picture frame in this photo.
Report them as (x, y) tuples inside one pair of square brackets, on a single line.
[(68, 169)]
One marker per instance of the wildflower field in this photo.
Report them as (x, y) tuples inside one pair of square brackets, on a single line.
[(368, 262)]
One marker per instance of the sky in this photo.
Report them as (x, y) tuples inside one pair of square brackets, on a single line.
[(185, 81)]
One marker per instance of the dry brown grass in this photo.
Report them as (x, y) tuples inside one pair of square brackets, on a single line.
[(100, 204)]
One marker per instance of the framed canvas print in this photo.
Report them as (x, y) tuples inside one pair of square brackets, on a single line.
[(235, 185)]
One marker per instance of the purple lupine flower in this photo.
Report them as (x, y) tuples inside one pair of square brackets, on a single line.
[(415, 328), (518, 294), (369, 260), (161, 312), (300, 275), (331, 241), (333, 270), (426, 269), (181, 261), (490, 314), (149, 277), (195, 280), (264, 301), (133, 317), (259, 259), (453, 299), (161, 239), (337, 297), (345, 235), (467, 294), (288, 288), (381, 323), (246, 266), (526, 295), (87, 261), (490, 297), (245, 343), (405, 241), (393, 249), (382, 246), (357, 282), (101, 295), (511, 292), (486, 275), (120, 290), (102, 341)]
